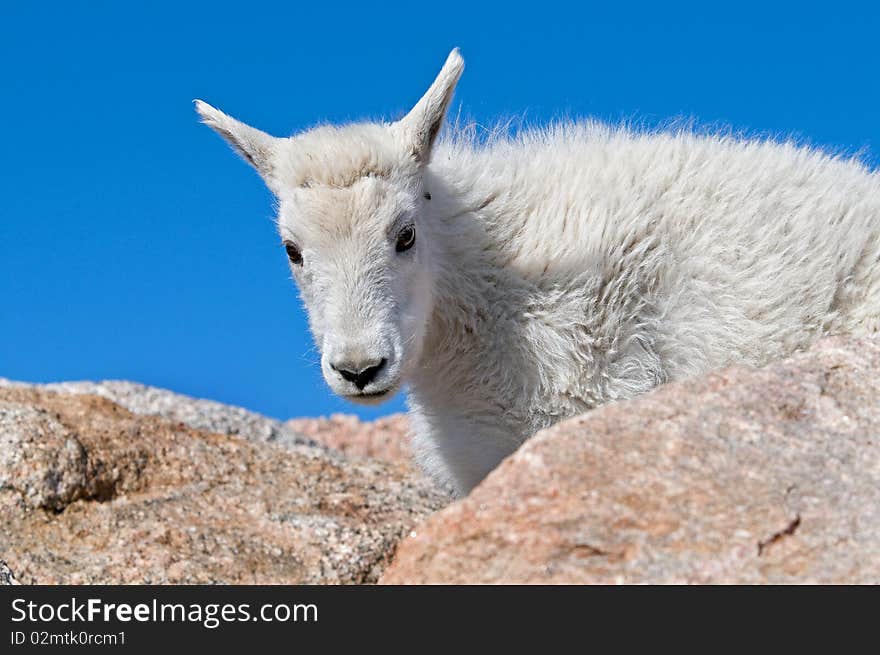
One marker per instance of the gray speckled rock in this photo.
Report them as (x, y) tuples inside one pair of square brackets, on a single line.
[(742, 476), (197, 413), (93, 493), (40, 458), (7, 577)]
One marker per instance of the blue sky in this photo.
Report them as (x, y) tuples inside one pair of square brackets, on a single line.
[(134, 244)]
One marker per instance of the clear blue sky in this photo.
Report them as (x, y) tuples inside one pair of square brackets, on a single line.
[(134, 244)]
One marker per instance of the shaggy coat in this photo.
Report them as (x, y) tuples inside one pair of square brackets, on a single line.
[(560, 268)]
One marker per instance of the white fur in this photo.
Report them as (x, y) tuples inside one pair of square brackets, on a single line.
[(561, 268)]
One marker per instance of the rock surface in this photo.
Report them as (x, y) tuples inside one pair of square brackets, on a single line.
[(769, 475), (93, 493), (743, 476), (385, 438), (7, 577), (197, 413)]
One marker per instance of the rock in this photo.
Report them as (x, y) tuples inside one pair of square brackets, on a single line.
[(40, 458), (6, 575), (200, 414), (743, 476), (385, 438), (92, 493)]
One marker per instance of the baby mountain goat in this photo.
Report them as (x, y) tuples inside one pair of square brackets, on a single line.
[(514, 283)]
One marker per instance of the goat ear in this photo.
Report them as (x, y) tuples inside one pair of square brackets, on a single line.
[(422, 124), (254, 146)]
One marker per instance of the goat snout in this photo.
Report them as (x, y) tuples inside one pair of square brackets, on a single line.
[(360, 374)]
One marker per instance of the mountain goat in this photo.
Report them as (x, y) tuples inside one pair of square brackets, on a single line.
[(528, 278)]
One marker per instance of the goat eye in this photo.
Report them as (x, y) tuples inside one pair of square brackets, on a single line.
[(293, 253), (406, 238)]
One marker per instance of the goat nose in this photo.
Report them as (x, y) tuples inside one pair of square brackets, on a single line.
[(359, 374)]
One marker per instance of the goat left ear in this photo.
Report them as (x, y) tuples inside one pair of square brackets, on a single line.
[(256, 147), (422, 124)]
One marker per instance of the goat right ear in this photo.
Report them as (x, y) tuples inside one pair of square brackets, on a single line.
[(422, 124), (254, 146)]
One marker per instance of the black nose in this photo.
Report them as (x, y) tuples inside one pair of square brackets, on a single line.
[(360, 376)]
